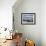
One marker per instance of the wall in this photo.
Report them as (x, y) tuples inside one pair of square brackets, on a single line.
[(6, 13), (32, 32), (43, 22), (6, 16)]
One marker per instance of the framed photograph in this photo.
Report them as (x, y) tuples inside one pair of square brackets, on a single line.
[(28, 18)]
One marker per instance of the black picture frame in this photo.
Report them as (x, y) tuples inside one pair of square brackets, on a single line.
[(28, 18)]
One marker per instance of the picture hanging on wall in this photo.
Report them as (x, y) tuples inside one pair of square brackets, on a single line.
[(28, 18)]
